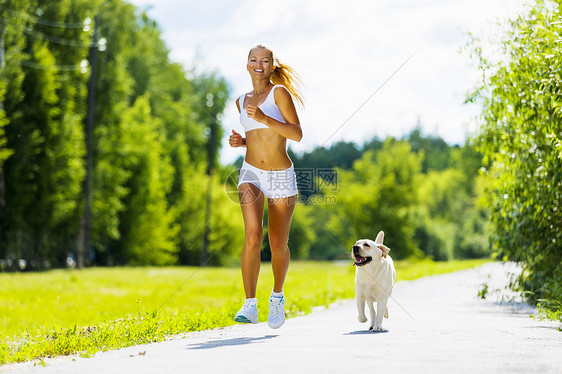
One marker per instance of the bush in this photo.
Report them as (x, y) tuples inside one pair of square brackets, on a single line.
[(521, 138)]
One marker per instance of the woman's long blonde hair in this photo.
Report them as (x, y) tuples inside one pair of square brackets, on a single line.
[(285, 76)]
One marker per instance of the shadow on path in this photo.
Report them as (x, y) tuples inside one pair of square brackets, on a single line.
[(366, 332), (503, 307), (214, 343)]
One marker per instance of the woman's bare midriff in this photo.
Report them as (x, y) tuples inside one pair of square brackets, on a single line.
[(265, 149)]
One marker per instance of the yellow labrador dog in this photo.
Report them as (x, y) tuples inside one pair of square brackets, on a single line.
[(374, 279)]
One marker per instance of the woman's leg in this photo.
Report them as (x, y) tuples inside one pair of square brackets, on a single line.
[(251, 203), (280, 212)]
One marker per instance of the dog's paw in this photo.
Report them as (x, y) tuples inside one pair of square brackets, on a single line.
[(362, 319), (378, 329)]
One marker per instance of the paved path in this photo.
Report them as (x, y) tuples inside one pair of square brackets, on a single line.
[(452, 332)]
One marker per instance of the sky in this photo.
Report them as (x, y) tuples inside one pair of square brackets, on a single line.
[(369, 67)]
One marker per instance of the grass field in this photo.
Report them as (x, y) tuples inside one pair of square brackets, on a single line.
[(67, 311)]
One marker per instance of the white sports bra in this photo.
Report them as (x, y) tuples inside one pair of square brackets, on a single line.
[(268, 107)]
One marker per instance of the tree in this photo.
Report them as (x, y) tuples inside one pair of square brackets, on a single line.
[(378, 194), (155, 137), (449, 222), (214, 92), (4, 151), (436, 150), (44, 133), (114, 84), (147, 229), (12, 44), (521, 137)]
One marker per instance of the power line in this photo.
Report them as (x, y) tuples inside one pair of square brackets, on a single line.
[(61, 24), (50, 23), (34, 65), (55, 39), (369, 98)]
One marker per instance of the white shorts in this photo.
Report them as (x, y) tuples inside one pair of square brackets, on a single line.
[(275, 184)]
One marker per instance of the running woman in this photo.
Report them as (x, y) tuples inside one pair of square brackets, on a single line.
[(269, 118)]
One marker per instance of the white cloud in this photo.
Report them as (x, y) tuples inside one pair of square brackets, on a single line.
[(343, 52)]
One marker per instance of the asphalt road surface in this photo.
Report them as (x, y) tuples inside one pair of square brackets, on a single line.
[(437, 325)]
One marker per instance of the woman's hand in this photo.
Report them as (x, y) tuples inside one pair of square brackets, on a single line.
[(254, 112), (236, 140)]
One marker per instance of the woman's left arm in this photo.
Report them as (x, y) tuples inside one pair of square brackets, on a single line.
[(291, 129)]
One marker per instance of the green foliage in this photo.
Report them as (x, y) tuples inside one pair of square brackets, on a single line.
[(377, 195), (124, 305), (440, 202), (154, 132), (226, 233), (132, 330), (112, 144), (44, 174), (522, 139), (549, 310), (147, 224), (483, 292), (450, 222), (340, 154), (4, 151), (302, 236), (155, 171), (436, 151)]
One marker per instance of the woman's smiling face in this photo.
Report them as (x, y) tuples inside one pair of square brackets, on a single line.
[(260, 63)]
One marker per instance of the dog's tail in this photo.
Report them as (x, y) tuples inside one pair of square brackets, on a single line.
[(386, 312)]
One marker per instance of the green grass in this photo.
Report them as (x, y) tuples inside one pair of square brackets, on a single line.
[(63, 312)]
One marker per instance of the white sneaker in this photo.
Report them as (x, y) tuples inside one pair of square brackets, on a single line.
[(276, 316), (248, 313)]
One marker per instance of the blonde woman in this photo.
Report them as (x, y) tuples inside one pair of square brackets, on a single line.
[(269, 118)]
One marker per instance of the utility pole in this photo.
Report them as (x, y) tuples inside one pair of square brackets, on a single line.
[(2, 180), (212, 145), (85, 222)]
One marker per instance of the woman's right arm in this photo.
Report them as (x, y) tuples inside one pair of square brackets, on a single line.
[(236, 140)]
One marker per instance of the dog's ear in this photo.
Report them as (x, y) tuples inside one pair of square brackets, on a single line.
[(380, 237), (384, 249)]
